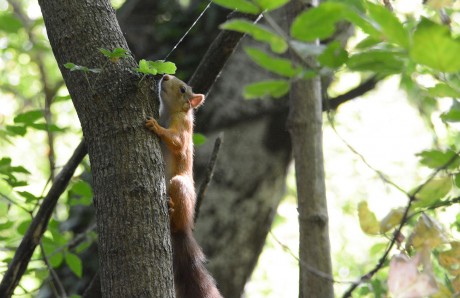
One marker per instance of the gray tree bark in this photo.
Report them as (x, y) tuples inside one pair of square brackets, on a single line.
[(305, 127), (129, 191)]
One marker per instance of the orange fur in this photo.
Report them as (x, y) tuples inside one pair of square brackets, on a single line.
[(178, 101)]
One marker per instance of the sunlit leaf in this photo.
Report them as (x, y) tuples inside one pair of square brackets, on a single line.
[(367, 219), (389, 24), (450, 259), (443, 90), (258, 32), (272, 88), (379, 61), (82, 188), (281, 66), (334, 55), (436, 158), (28, 196), (74, 263), (433, 191), (434, 46), (28, 117), (391, 220), (18, 130), (9, 23), (318, 22), (427, 233), (115, 55), (453, 115), (56, 259)]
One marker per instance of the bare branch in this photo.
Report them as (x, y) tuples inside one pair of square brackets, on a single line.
[(208, 175)]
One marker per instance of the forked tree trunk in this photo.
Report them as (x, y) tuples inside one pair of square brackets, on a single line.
[(129, 191)]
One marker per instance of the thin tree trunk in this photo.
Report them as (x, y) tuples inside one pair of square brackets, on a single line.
[(129, 191), (305, 127)]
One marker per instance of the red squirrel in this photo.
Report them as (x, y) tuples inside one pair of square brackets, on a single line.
[(191, 279)]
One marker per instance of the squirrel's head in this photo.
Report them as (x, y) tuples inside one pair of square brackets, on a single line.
[(178, 96)]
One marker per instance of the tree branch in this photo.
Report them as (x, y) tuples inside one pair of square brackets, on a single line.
[(412, 198), (208, 175), (216, 56), (335, 102), (38, 226)]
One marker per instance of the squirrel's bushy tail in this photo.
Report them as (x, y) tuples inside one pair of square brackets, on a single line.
[(191, 278)]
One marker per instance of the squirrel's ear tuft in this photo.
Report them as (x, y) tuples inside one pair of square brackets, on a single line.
[(197, 100), (166, 77)]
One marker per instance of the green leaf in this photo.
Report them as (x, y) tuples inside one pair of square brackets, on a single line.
[(28, 117), (391, 27), (319, 22), (9, 23), (199, 139), (6, 225), (367, 219), (453, 115), (144, 67), (435, 159), (83, 192), (28, 196), (74, 263), (273, 88), (258, 32), (241, 5), (457, 181), (333, 56), (433, 191), (23, 226), (16, 130), (391, 220), (433, 46), (74, 67), (379, 61), (82, 188), (115, 55), (276, 65), (164, 67), (56, 259), (443, 90), (268, 5)]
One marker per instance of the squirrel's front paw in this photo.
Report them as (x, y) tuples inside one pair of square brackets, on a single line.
[(151, 123)]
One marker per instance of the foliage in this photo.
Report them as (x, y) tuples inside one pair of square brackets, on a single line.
[(419, 48), (421, 45)]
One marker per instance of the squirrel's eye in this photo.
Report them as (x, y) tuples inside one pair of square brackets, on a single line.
[(182, 89)]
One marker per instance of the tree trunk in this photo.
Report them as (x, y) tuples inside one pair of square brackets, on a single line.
[(128, 180), (305, 127)]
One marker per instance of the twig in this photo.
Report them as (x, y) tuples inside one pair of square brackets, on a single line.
[(58, 287), (335, 102), (379, 173), (308, 267), (38, 226), (412, 198), (208, 175)]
